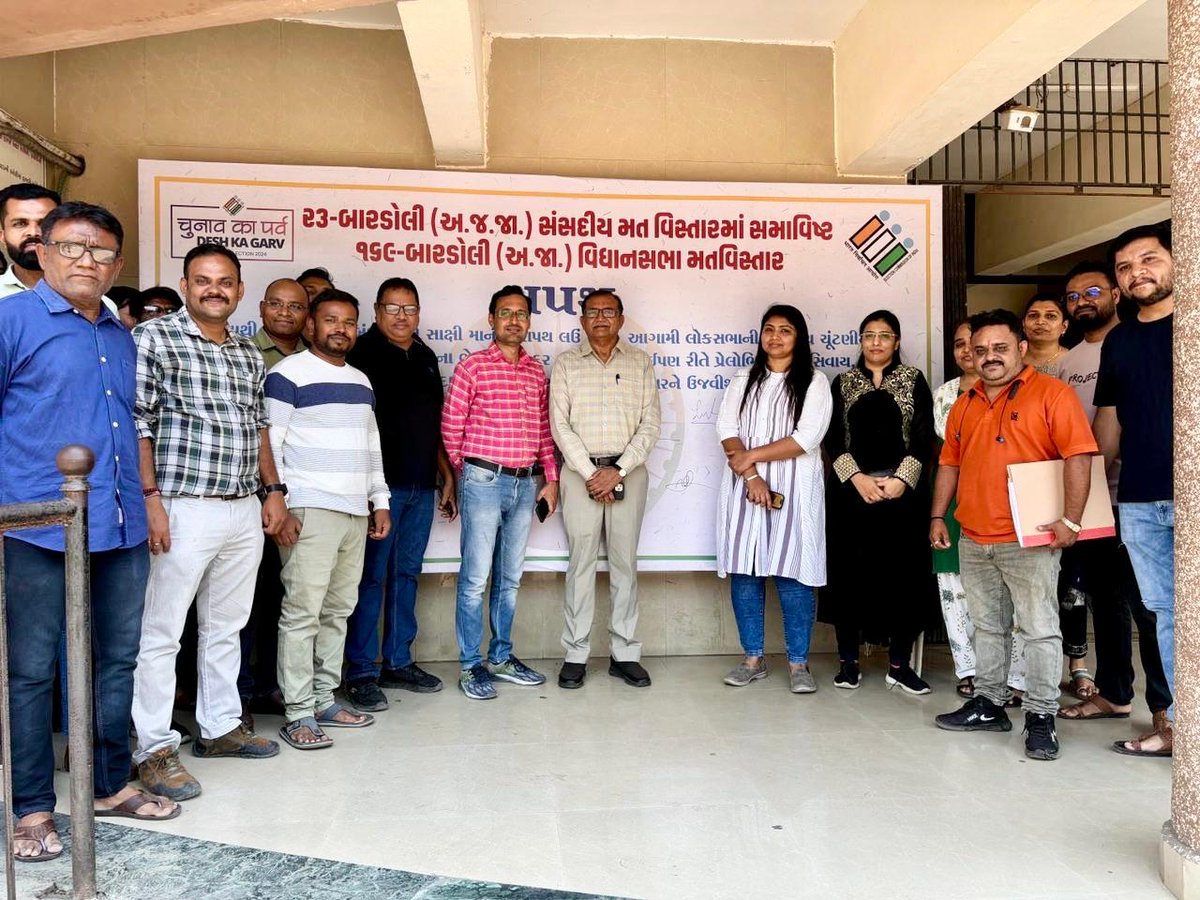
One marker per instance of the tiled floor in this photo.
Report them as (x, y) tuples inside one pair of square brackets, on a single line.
[(692, 789)]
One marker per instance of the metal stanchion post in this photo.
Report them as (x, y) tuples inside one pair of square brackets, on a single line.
[(75, 463)]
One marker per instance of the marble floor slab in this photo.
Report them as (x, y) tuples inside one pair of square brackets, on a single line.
[(687, 789)]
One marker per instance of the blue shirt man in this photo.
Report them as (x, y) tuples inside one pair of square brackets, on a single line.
[(67, 375)]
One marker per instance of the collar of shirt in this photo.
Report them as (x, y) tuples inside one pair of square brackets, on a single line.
[(57, 303), (1023, 377), (10, 283), (495, 354), (586, 349)]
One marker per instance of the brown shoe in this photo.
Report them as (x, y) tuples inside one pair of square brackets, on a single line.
[(162, 773), (241, 742)]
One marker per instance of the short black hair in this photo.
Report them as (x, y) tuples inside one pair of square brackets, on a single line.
[(162, 292), (77, 211), (1089, 267), (331, 295), (315, 272), (1003, 317), (604, 292), (509, 290), (1160, 232), (201, 250), (123, 295), (397, 284), (1046, 297), (23, 190)]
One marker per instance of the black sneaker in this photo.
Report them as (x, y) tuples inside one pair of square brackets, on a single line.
[(366, 696), (848, 677), (410, 678), (907, 680), (977, 714), (1041, 742)]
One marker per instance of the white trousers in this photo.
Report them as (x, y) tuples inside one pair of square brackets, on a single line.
[(216, 546)]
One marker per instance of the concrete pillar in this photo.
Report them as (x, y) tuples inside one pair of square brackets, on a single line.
[(1181, 835)]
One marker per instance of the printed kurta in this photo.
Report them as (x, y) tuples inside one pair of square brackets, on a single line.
[(790, 541)]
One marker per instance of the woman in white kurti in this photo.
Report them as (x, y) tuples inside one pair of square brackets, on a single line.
[(773, 417)]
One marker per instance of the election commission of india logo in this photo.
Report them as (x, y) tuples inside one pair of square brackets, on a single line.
[(881, 248)]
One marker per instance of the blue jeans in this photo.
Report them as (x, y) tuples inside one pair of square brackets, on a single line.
[(749, 593), (496, 512), (1148, 532), (35, 588), (395, 560)]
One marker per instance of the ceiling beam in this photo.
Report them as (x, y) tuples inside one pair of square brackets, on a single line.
[(910, 77), (64, 24), (445, 41)]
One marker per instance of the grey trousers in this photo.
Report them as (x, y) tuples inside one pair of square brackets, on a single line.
[(621, 525), (1003, 582), (320, 581)]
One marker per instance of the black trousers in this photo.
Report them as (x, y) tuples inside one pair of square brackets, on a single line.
[(1116, 604)]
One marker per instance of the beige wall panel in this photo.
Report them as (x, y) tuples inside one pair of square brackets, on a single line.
[(101, 94), (513, 104), (343, 89), (27, 90), (691, 110), (215, 87), (726, 102), (646, 169), (1005, 296), (601, 99)]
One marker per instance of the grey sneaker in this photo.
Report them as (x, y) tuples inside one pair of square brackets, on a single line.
[(514, 671), (802, 682), (742, 674), (476, 683)]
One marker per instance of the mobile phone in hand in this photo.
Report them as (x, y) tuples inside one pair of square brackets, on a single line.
[(542, 509)]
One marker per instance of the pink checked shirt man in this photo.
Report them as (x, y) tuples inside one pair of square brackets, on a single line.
[(496, 428)]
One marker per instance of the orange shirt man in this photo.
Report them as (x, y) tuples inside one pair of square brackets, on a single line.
[(1013, 414)]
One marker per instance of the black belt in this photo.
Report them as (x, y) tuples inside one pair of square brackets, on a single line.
[(214, 496), (519, 472), (605, 461)]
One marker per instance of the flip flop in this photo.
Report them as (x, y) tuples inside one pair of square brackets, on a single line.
[(965, 687), (1091, 709), (327, 718), (1167, 735), (132, 806), (288, 730), (37, 833)]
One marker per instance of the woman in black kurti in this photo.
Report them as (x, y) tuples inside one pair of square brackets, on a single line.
[(880, 441)]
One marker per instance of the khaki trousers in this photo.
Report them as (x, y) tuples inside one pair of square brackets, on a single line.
[(621, 525), (320, 582)]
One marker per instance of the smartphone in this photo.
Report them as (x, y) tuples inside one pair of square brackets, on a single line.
[(776, 499), (542, 509), (619, 491)]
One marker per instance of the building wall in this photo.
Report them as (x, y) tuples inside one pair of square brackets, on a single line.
[(289, 93)]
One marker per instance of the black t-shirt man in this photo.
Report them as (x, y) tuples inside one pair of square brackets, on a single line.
[(408, 406), (1136, 378)]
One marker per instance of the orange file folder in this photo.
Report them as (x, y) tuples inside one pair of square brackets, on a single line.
[(1035, 495)]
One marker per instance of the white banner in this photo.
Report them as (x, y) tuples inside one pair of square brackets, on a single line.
[(695, 263), (19, 163)]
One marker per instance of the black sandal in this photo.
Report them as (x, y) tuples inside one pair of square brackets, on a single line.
[(966, 687)]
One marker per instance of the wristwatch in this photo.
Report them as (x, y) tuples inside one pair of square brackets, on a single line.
[(271, 489), (1074, 526), (621, 472)]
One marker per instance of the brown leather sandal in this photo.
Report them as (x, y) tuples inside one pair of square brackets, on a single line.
[(131, 808), (36, 833), (1136, 747)]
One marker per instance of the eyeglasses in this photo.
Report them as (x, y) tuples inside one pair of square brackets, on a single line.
[(609, 312), (1091, 293), (394, 309), (277, 305), (884, 337), (521, 315), (156, 311), (102, 256)]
